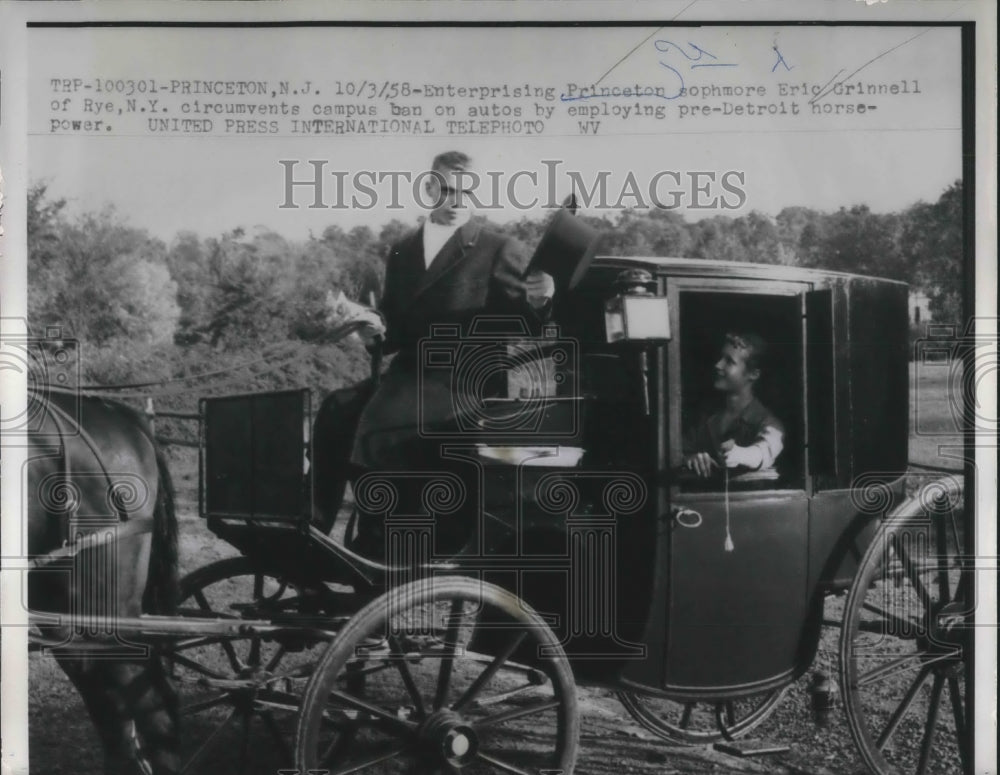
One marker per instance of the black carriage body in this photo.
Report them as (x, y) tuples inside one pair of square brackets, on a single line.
[(718, 623), (624, 557)]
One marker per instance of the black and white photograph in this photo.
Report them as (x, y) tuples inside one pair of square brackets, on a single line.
[(532, 388)]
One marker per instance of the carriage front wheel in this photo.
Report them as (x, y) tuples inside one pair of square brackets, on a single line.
[(441, 675), (905, 641)]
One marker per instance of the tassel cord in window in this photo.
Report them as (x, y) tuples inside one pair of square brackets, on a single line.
[(729, 546)]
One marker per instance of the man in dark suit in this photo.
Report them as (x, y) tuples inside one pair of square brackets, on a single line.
[(449, 271)]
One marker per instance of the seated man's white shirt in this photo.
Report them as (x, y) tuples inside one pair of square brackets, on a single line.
[(435, 235), (770, 445), (757, 434)]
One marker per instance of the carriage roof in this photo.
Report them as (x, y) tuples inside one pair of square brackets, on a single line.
[(702, 267)]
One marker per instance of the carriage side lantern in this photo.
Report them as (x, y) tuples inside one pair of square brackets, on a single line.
[(635, 313)]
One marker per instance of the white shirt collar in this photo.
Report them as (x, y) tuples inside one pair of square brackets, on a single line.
[(435, 235)]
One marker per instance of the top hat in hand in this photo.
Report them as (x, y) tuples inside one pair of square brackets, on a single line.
[(566, 248)]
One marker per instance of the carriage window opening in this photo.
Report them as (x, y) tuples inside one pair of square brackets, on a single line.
[(741, 391)]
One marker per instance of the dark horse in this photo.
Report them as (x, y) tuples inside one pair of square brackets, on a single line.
[(103, 537)]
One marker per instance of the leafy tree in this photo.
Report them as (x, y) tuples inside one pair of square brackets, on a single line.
[(316, 272), (798, 230), (857, 240), (188, 266), (390, 234), (359, 260), (668, 234), (716, 238), (244, 305), (527, 232), (99, 279), (811, 241), (760, 238), (753, 237), (45, 220), (932, 240), (647, 233)]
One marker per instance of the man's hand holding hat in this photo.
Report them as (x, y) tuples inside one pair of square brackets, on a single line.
[(539, 287)]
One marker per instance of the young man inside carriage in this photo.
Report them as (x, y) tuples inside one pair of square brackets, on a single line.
[(450, 270), (742, 435)]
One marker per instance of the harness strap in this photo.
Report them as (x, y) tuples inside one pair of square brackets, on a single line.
[(100, 537), (61, 418)]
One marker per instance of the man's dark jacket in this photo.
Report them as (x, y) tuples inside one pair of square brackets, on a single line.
[(477, 272)]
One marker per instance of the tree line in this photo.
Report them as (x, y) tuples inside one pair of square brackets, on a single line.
[(251, 304)]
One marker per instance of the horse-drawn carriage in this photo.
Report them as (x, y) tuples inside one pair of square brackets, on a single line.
[(593, 555)]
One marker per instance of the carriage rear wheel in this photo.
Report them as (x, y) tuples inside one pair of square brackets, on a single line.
[(905, 642), (698, 722), (239, 697), (459, 675)]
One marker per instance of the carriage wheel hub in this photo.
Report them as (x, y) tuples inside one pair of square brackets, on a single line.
[(449, 736)]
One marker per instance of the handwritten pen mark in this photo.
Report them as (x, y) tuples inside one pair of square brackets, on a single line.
[(663, 46), (667, 44), (824, 91), (695, 46), (675, 71), (641, 42), (630, 53), (823, 88), (781, 61), (701, 53)]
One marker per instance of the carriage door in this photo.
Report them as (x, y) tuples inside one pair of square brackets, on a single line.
[(738, 542)]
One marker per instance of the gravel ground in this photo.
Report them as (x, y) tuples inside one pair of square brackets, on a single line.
[(62, 740)]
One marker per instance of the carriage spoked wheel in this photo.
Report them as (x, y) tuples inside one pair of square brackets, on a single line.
[(698, 722), (239, 697), (458, 676), (905, 641)]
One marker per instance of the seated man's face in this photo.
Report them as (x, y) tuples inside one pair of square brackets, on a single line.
[(448, 190), (731, 372)]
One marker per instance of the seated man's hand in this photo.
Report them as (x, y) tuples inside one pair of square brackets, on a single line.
[(370, 326), (736, 456), (539, 287), (701, 463), (365, 323)]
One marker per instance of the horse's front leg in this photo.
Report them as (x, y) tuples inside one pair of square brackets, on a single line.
[(151, 712), (148, 702), (134, 710)]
